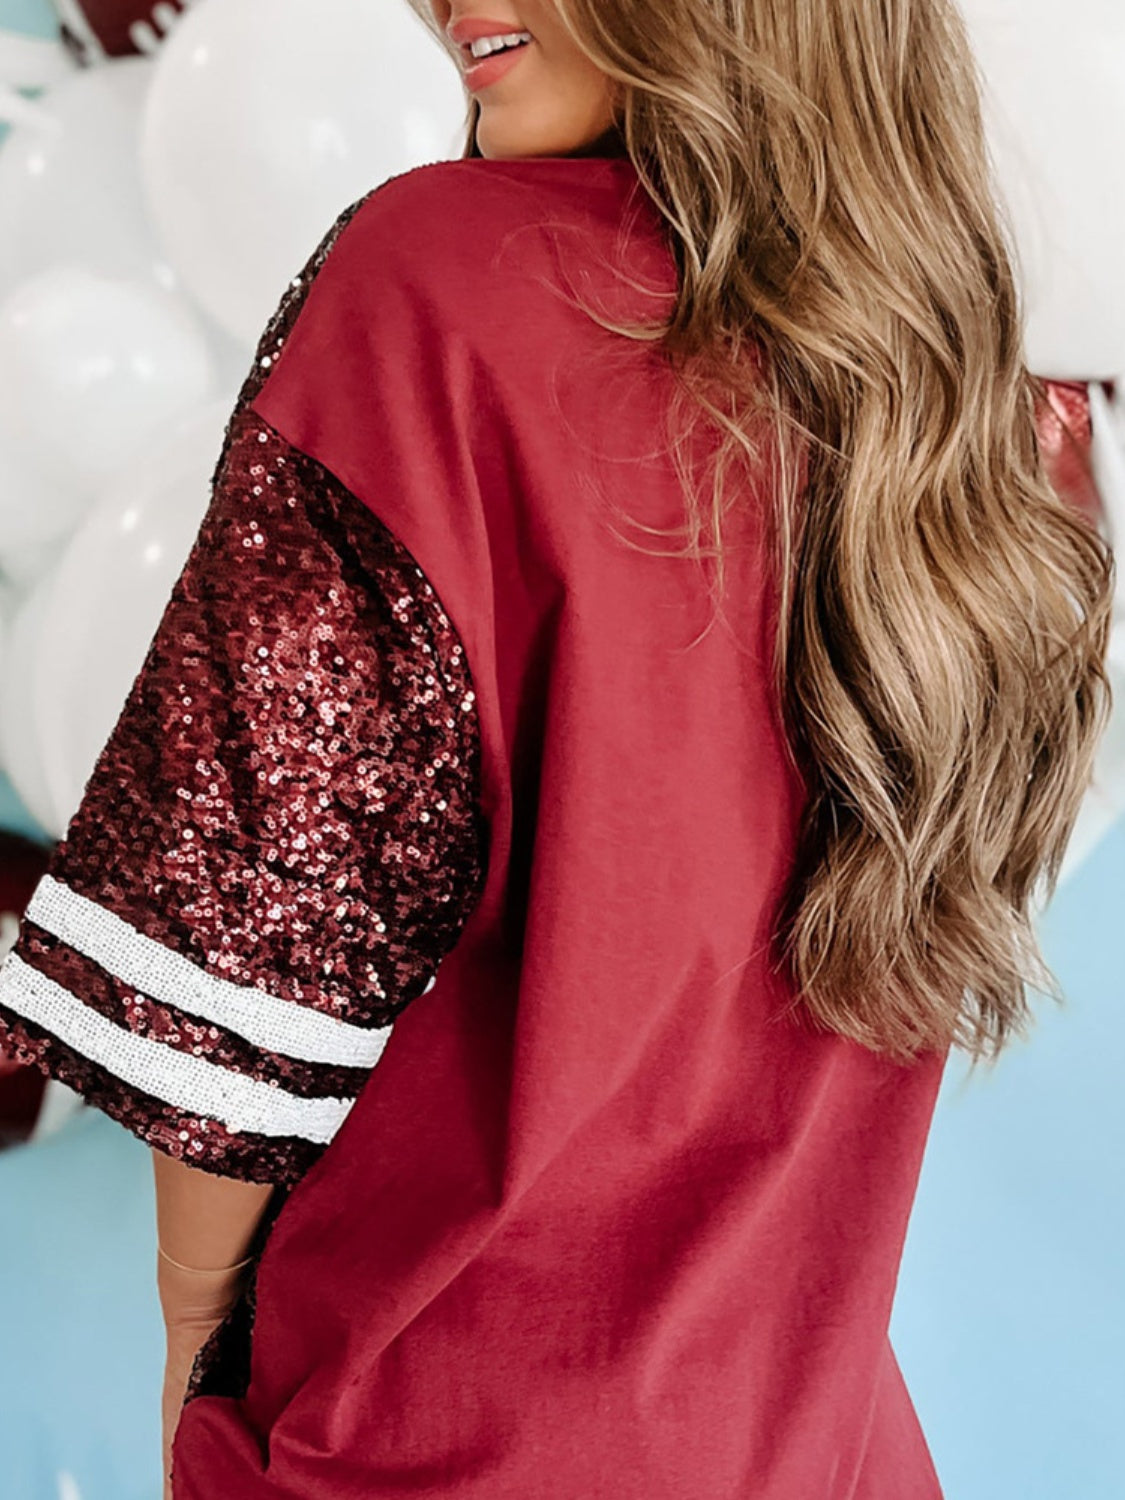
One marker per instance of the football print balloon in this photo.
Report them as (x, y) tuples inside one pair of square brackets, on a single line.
[(94, 29)]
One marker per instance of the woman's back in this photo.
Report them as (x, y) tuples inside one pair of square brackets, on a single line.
[(604, 1219)]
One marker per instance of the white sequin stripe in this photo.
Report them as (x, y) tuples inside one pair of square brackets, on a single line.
[(167, 976), (188, 1083)]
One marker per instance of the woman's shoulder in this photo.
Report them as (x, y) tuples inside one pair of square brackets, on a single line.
[(446, 221), (497, 185), (462, 243), (468, 246)]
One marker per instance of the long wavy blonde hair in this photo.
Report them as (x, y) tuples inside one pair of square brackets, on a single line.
[(822, 170)]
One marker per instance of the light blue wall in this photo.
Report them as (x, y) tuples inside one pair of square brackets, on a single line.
[(33, 16), (1010, 1318), (80, 1348)]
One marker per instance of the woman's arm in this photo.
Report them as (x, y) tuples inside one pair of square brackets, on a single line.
[(207, 1224), (204, 1220)]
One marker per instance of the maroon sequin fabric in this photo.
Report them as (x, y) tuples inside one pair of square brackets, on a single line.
[(280, 840)]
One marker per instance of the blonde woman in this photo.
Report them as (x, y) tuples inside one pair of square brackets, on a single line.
[(632, 687)]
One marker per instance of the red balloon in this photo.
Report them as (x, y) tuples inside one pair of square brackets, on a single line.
[(95, 29), (1065, 435), (22, 862)]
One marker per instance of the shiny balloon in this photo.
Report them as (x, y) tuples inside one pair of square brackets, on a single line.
[(266, 118), (35, 512), (1055, 113), (70, 189), (93, 369), (105, 598), (21, 689)]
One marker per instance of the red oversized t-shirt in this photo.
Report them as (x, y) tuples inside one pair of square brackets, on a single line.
[(428, 873)]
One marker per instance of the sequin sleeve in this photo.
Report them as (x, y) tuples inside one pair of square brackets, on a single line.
[(280, 840)]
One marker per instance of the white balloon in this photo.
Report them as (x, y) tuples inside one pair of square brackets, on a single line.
[(17, 109), (34, 512), (1055, 111), (70, 190), (266, 118), (21, 688), (28, 62), (107, 595), (32, 62), (12, 595), (23, 567), (92, 370)]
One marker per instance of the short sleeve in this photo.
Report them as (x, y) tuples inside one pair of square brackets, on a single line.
[(282, 837)]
